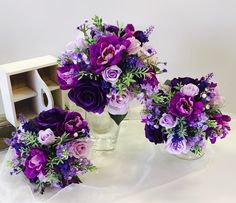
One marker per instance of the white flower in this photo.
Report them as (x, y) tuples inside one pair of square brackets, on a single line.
[(190, 90), (135, 46)]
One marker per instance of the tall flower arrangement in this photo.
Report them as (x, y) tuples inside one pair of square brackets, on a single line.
[(183, 113), (107, 66), (51, 150)]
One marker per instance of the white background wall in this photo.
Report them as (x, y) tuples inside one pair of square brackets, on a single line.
[(195, 37)]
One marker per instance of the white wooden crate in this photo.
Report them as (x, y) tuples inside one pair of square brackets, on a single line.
[(29, 87)]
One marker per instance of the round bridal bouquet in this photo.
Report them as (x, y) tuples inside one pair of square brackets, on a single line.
[(107, 66), (184, 113), (51, 149)]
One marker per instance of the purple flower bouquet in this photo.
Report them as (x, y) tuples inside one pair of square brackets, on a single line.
[(51, 149), (107, 66), (184, 113)]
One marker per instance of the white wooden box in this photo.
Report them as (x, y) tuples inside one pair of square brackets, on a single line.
[(29, 87)]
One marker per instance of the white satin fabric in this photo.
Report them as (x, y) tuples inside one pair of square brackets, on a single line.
[(140, 172)]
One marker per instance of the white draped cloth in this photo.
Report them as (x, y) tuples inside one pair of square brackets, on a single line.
[(139, 172)]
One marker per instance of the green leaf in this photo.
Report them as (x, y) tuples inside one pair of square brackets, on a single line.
[(212, 123), (91, 168), (118, 118)]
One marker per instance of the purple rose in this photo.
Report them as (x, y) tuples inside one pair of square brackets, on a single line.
[(128, 31), (67, 76), (185, 106), (176, 145), (107, 52), (118, 104), (111, 74), (167, 121), (89, 95), (52, 119), (190, 90), (154, 135), (46, 137), (35, 163), (74, 122)]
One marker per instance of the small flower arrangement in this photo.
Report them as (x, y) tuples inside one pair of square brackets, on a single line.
[(183, 113), (107, 66), (51, 149)]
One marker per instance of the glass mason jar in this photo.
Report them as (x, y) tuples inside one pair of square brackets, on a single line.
[(103, 131)]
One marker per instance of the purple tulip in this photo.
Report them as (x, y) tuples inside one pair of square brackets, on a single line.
[(128, 31)]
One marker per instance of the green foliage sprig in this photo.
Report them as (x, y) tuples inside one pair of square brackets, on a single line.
[(130, 77), (97, 21), (87, 74)]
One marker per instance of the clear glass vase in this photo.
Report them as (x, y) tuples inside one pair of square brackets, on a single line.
[(193, 156), (103, 131)]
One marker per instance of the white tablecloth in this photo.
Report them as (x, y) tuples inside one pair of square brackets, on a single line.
[(140, 172)]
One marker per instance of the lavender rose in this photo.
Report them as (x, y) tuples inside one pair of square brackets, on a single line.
[(190, 90), (111, 74), (89, 95), (46, 137), (176, 145), (35, 163), (167, 121), (79, 148), (185, 106), (52, 119), (67, 76), (118, 104), (74, 122), (107, 52)]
